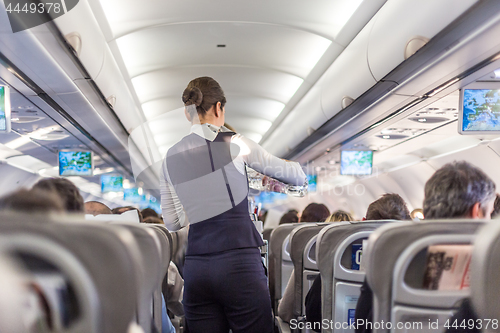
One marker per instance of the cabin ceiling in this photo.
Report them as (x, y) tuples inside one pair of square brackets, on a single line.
[(261, 52)]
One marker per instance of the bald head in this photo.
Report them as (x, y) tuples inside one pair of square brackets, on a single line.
[(96, 208)]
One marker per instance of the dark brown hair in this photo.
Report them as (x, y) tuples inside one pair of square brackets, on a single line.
[(32, 201), (390, 207), (203, 92), (147, 212), (69, 193), (289, 217), (314, 212)]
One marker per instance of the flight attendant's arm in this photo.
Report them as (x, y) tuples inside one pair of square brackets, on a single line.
[(260, 160), (174, 215)]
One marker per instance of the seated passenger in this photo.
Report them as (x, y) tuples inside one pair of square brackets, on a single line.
[(459, 190), (388, 207), (147, 212), (289, 217), (456, 190), (339, 216), (96, 208), (69, 193), (153, 220), (32, 201), (314, 212)]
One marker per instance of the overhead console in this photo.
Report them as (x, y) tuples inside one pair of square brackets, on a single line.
[(373, 71)]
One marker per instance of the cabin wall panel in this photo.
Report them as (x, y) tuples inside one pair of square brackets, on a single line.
[(14, 178)]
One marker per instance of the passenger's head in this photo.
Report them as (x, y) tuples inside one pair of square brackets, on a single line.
[(314, 212), (121, 210), (390, 207), (459, 190), (153, 220), (32, 201), (147, 212), (207, 97), (69, 193), (339, 216), (96, 208), (496, 207), (289, 217)]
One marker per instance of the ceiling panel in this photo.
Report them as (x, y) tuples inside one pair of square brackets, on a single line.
[(258, 82), (327, 17), (246, 44)]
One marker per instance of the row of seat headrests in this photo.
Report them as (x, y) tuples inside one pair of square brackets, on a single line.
[(90, 276), (389, 257)]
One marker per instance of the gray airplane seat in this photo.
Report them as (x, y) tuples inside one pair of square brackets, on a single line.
[(280, 263), (90, 266), (338, 250), (396, 263), (153, 271), (266, 234), (303, 255), (485, 281), (165, 251)]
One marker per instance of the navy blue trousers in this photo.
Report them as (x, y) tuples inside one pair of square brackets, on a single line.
[(227, 290)]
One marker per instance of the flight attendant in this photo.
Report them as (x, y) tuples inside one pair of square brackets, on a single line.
[(204, 184)]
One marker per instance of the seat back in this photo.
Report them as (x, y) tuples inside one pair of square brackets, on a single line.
[(165, 251), (395, 266), (279, 270), (266, 234), (88, 253), (484, 282), (302, 240), (151, 265), (340, 283)]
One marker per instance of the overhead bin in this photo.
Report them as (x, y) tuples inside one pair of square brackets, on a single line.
[(401, 23), (112, 84), (349, 76), (80, 23), (305, 118)]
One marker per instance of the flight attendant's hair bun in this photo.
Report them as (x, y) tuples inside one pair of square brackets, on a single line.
[(192, 95), (203, 92)]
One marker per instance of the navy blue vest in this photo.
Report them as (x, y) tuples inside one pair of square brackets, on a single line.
[(213, 193)]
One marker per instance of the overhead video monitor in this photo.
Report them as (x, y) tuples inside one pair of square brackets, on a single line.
[(75, 163), (479, 111), (356, 162), (111, 183), (132, 195), (4, 109)]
